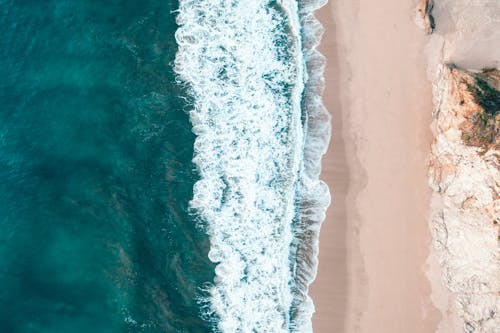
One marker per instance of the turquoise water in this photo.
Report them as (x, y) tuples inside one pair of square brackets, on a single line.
[(159, 165), (96, 171)]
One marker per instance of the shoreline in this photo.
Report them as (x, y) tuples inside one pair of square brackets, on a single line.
[(336, 303), (380, 100)]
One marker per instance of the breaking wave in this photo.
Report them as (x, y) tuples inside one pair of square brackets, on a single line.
[(256, 80)]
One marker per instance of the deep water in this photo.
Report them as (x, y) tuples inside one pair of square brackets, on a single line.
[(96, 171)]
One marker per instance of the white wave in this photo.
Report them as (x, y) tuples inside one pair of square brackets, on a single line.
[(245, 67)]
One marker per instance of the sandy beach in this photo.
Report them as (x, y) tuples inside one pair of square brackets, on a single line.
[(375, 241)]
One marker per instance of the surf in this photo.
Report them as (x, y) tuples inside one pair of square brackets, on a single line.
[(256, 79)]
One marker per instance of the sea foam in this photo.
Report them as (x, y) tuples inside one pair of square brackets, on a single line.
[(256, 82), (313, 194)]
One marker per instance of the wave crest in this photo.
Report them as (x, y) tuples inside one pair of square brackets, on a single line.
[(261, 128)]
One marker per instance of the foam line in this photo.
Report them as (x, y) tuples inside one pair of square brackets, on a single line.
[(252, 70)]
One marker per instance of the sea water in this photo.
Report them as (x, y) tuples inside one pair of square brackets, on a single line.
[(96, 171), (160, 165)]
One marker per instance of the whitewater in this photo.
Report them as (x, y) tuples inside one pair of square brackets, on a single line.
[(256, 79)]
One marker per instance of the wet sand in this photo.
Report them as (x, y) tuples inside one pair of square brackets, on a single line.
[(375, 240)]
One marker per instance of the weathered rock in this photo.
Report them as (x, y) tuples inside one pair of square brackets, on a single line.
[(465, 175), (478, 107), (424, 11)]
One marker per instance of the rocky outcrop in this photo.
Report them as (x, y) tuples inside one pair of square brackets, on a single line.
[(424, 15), (479, 107), (465, 176)]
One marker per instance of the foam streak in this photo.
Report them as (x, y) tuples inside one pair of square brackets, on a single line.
[(257, 195)]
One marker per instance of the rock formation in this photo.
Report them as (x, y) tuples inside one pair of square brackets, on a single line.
[(424, 16), (465, 176)]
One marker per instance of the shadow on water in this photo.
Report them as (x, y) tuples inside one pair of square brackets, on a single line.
[(96, 172)]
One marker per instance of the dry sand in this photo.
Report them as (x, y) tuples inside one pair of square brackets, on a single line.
[(375, 240)]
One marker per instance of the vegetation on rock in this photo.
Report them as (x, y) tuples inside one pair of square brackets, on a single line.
[(482, 110)]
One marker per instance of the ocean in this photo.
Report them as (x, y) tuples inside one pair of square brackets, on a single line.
[(159, 165)]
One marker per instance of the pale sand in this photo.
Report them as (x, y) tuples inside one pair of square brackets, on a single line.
[(375, 240)]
